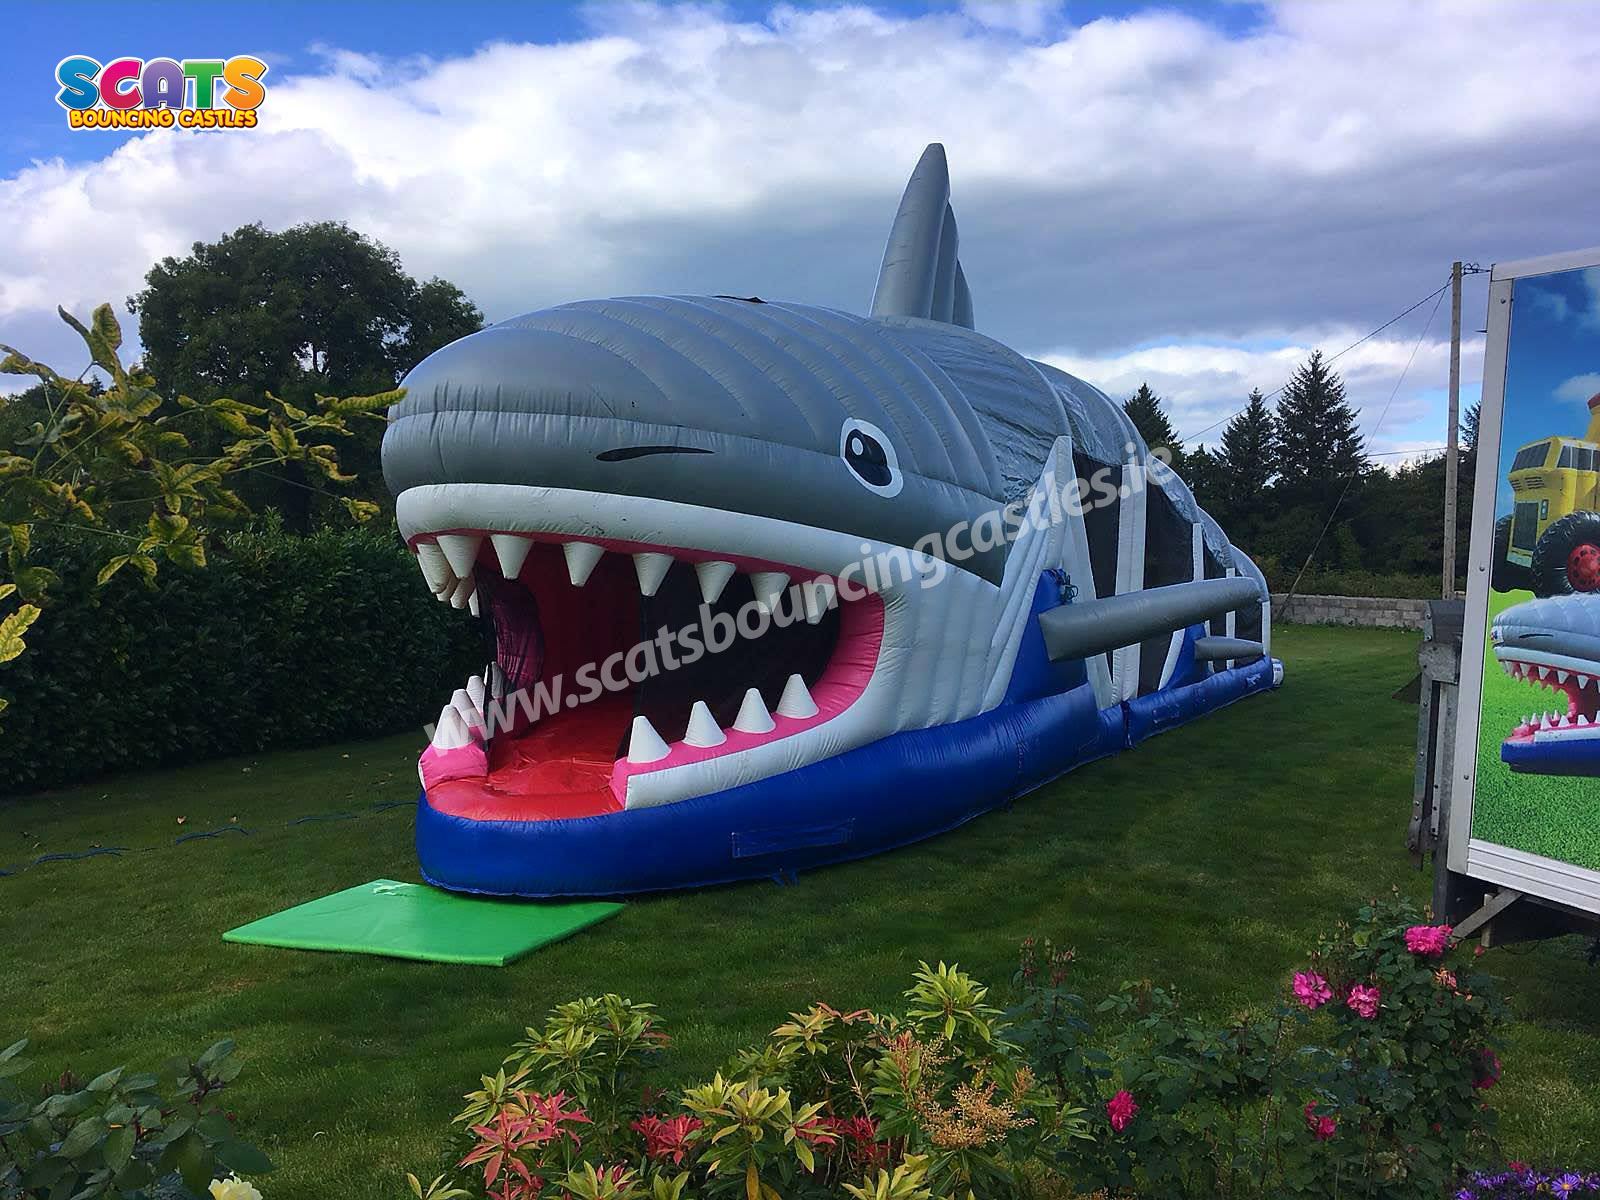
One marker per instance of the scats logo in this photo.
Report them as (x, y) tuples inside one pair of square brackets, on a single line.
[(131, 93)]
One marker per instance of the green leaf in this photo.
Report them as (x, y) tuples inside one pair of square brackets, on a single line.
[(11, 630), (119, 1147), (243, 1158), (195, 1162), (84, 1135), (106, 1081), (112, 566), (214, 1054)]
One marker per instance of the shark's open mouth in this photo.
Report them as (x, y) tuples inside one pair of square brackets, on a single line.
[(1576, 684), (613, 660)]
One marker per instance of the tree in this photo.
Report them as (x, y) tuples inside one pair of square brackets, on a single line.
[(1317, 441), (1145, 411), (101, 459), (1245, 458), (1469, 427), (314, 309), (1205, 478)]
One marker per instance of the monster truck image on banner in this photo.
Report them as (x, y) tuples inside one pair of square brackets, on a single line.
[(1533, 608)]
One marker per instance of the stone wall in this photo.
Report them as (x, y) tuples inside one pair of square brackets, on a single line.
[(1349, 610)]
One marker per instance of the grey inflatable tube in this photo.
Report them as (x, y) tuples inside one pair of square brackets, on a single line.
[(1079, 630)]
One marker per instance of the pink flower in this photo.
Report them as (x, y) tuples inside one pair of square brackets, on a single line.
[(1322, 1128), (1363, 1000), (1120, 1109), (1311, 989), (1430, 941)]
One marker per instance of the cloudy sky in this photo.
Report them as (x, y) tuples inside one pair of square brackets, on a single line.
[(1193, 196)]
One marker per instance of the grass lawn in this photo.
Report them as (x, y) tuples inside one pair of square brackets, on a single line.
[(1209, 858), (1553, 815)]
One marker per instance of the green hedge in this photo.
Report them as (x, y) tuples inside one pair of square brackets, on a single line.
[(283, 641), (1355, 582)]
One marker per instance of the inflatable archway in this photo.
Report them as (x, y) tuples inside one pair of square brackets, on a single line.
[(769, 586)]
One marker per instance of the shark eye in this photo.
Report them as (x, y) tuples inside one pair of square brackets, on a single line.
[(867, 452)]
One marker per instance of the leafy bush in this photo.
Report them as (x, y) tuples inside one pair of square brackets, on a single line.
[(122, 1135), (283, 641), (1366, 1079), (934, 1101)]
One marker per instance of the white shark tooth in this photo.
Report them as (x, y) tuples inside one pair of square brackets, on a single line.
[(1544, 672), (713, 576), (472, 602), (460, 551), (768, 586), (581, 559), (1582, 720), (1583, 681), (497, 681), (451, 731), (461, 701), (512, 551), (1561, 676), (703, 729), (753, 715), (820, 595), (652, 569), (1544, 721), (476, 691), (464, 590), (435, 567), (796, 700), (644, 743)]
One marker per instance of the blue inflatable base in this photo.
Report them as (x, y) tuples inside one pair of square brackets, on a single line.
[(1576, 756), (878, 797)]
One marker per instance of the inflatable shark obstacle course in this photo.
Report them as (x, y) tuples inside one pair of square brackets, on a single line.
[(767, 586)]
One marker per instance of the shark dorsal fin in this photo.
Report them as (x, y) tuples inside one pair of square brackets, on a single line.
[(921, 275)]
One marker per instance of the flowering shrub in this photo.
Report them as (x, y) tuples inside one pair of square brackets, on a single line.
[(1366, 1078), (933, 1102)]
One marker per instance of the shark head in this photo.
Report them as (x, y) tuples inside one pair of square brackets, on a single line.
[(1553, 643)]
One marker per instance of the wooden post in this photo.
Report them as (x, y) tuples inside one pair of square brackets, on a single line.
[(1452, 455)]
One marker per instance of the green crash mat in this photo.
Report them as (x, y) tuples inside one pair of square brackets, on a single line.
[(412, 920)]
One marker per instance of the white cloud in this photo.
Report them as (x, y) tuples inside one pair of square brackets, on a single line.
[(1579, 388), (1146, 181)]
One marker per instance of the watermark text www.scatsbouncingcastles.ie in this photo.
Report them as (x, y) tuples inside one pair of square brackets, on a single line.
[(161, 93)]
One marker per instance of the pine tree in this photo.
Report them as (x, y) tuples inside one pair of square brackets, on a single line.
[(1245, 459), (1145, 411), (1317, 440), (1469, 428)]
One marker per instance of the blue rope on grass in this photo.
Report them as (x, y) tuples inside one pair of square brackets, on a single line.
[(17, 868)]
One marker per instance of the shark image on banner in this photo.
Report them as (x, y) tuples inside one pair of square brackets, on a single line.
[(1554, 643), (767, 586)]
